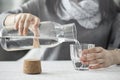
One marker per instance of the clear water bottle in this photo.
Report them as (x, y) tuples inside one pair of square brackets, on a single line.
[(51, 35)]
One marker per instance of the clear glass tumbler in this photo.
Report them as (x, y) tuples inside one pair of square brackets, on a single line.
[(76, 53)]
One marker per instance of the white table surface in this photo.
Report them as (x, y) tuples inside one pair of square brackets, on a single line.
[(57, 70)]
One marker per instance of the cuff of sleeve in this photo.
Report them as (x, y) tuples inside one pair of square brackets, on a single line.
[(117, 51), (2, 19)]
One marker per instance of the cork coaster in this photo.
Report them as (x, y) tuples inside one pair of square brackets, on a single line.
[(32, 66)]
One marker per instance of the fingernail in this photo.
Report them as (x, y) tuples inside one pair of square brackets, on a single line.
[(86, 63), (91, 67), (24, 34), (82, 58), (85, 55)]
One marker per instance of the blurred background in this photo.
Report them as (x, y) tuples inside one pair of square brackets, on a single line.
[(6, 5)]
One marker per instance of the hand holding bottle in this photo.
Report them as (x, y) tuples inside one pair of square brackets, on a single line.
[(22, 22)]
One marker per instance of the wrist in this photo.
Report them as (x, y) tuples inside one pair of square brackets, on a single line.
[(115, 54)]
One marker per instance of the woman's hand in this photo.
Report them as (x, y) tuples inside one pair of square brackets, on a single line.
[(22, 22), (25, 21), (97, 58)]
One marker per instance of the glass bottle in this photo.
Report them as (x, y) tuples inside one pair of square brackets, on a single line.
[(51, 35)]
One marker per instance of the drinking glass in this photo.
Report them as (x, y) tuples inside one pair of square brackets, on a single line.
[(76, 53)]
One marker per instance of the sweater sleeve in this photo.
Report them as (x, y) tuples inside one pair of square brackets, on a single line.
[(31, 6), (115, 35)]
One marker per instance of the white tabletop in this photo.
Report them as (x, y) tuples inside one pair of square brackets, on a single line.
[(57, 70)]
